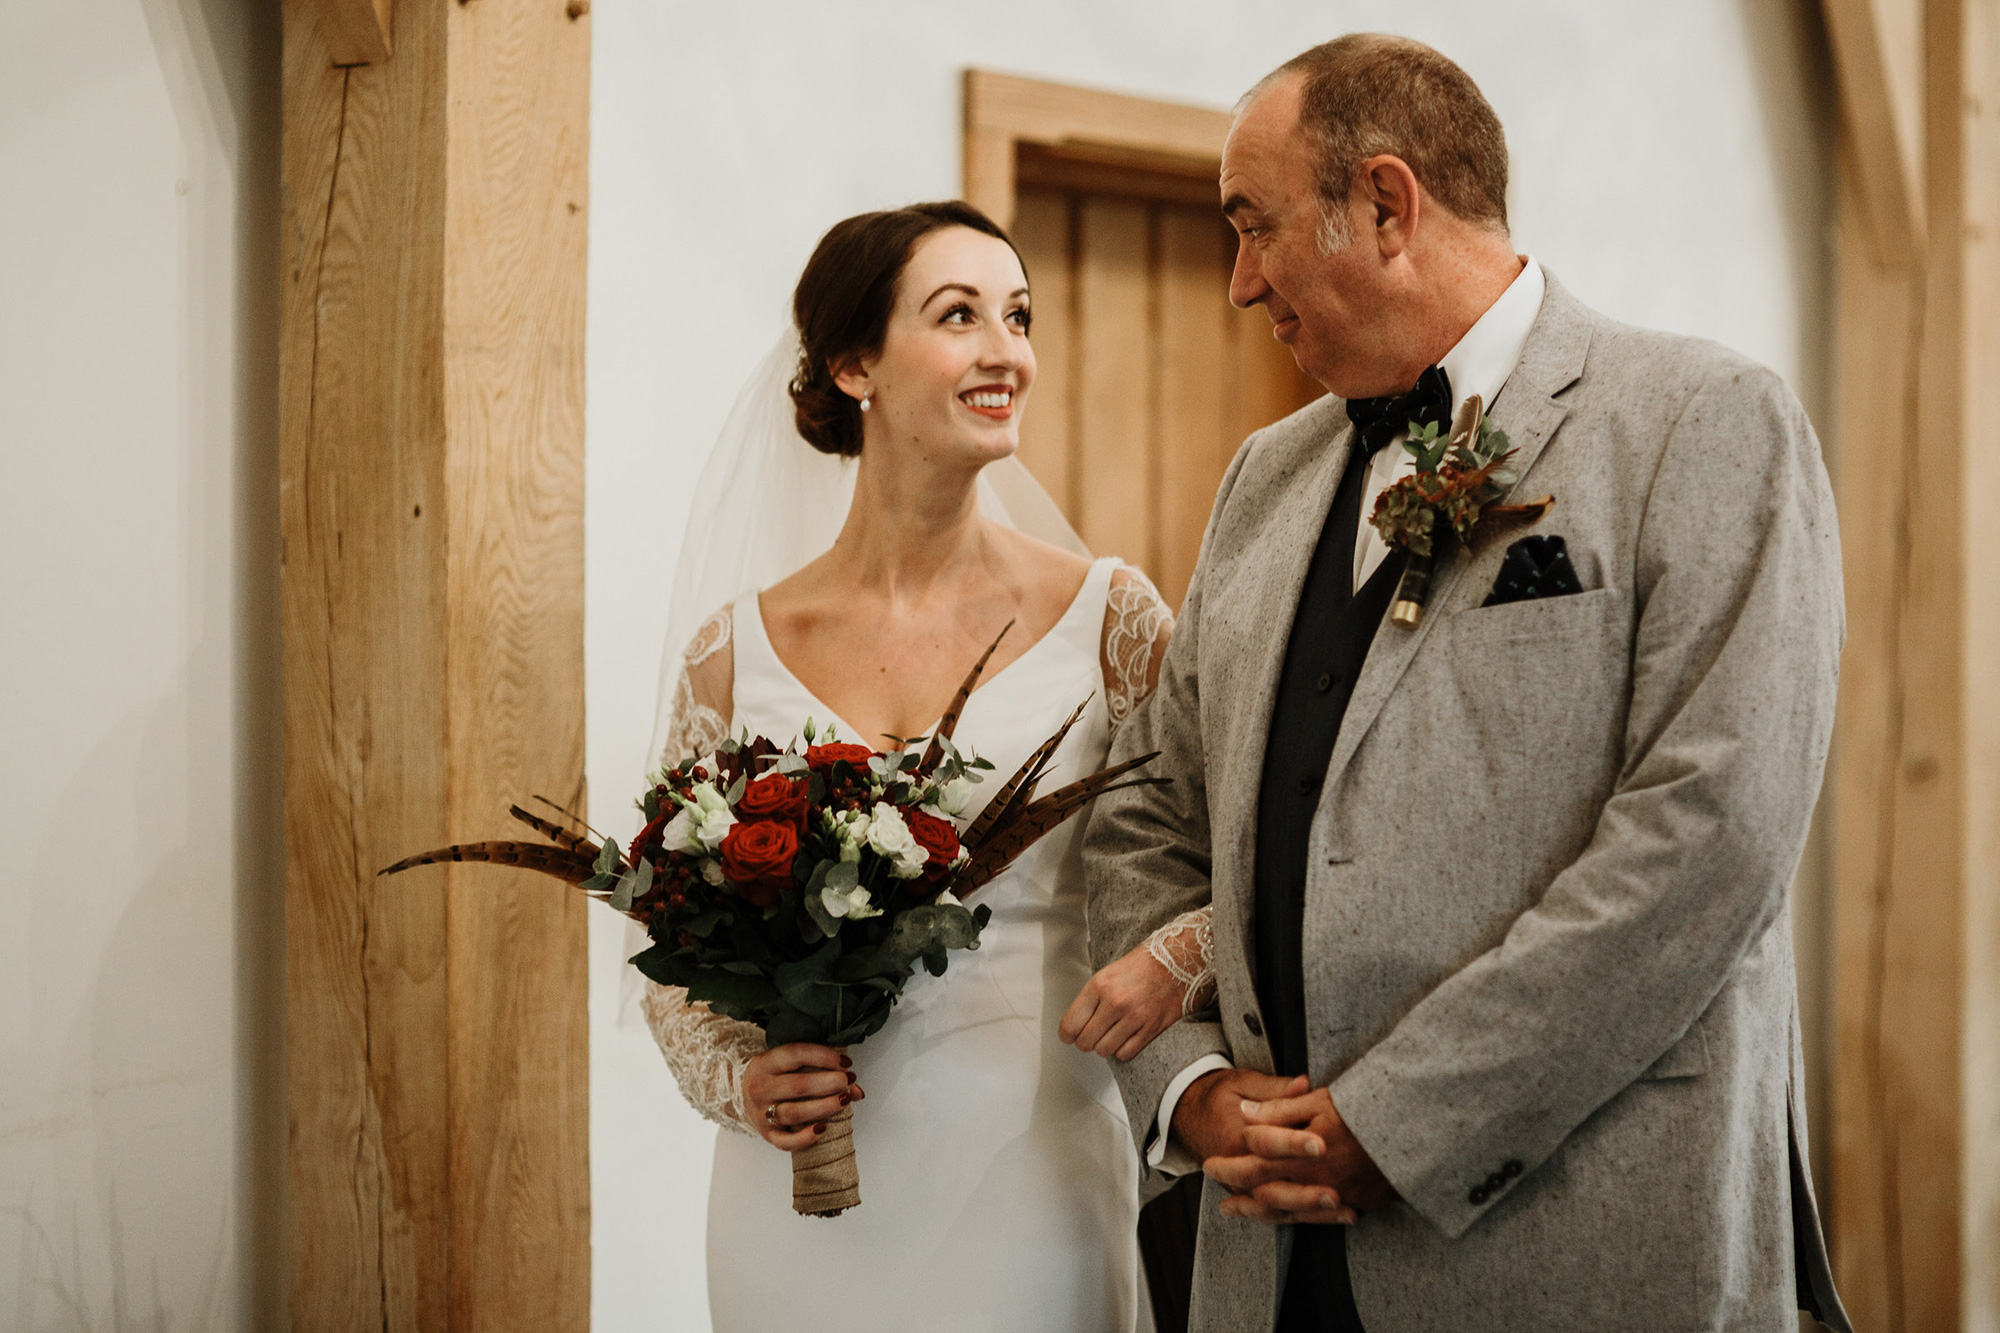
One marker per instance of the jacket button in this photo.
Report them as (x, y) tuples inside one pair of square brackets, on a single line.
[(1480, 1194), (1325, 681), (1511, 1171), (1308, 782), (1255, 1024)]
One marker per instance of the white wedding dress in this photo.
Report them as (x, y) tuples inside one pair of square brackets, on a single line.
[(999, 1184)]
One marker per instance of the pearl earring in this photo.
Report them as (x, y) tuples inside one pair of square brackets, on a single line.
[(867, 400)]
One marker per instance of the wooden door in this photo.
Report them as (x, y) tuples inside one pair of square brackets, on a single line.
[(1148, 378)]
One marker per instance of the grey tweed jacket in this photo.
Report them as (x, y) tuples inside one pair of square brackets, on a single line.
[(1548, 956)]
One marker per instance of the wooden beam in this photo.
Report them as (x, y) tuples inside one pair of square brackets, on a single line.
[(1978, 254), (431, 435), (1878, 57), (1916, 1181), (358, 32), (1004, 111)]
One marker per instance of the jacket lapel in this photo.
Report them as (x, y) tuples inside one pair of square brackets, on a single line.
[(1284, 555), (1527, 408)]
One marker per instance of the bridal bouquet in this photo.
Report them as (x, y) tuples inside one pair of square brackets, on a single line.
[(799, 888)]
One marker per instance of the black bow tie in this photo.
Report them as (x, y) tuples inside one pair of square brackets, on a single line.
[(1380, 420)]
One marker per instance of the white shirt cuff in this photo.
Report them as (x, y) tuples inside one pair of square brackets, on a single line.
[(1162, 1154)]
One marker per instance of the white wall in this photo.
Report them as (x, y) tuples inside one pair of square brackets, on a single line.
[(141, 983), (1671, 164)]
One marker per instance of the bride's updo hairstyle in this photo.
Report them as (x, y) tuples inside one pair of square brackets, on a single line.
[(842, 308)]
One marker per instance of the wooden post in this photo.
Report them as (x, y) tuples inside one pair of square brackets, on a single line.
[(432, 512), (1916, 1185)]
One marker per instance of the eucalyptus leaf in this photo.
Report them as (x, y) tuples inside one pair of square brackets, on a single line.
[(735, 792), (828, 926), (842, 876), (703, 925), (608, 860), (744, 994), (598, 883)]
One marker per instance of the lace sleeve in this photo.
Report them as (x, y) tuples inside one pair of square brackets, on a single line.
[(706, 1051), (1185, 946), (703, 695), (1137, 626)]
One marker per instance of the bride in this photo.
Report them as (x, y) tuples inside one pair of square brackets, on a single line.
[(999, 1182)]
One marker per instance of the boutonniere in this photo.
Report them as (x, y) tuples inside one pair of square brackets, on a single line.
[(1450, 496)]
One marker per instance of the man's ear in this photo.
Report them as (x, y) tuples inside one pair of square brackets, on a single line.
[(1390, 188)]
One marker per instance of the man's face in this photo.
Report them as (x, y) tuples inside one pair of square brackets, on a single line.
[(1321, 306)]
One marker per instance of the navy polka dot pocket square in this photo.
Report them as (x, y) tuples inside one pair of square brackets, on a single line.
[(1534, 567)]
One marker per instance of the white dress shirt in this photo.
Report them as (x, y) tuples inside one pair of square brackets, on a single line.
[(1479, 364)]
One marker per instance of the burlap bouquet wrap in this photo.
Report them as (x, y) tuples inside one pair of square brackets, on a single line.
[(826, 1180)]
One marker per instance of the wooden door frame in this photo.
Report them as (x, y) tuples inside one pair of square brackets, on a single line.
[(1005, 113)]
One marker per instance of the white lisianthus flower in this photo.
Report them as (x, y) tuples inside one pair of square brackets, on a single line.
[(711, 870), (889, 834), (954, 796), (702, 823), (853, 904), (850, 829)]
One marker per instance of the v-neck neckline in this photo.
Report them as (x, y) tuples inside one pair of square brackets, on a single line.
[(771, 651)]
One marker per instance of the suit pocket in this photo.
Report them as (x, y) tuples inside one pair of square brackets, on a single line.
[(1535, 618)]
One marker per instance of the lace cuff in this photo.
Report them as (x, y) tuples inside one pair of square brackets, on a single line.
[(706, 1051), (1185, 946), (1136, 627)]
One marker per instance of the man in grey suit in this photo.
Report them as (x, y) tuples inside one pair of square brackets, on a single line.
[(1506, 1032)]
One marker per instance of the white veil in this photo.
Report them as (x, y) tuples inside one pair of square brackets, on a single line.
[(767, 503)]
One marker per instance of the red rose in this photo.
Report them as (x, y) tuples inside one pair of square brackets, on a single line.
[(757, 858), (774, 796), (823, 757), (646, 833), (938, 838)]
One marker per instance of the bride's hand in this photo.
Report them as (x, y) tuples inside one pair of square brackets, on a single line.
[(1121, 1009), (792, 1091)]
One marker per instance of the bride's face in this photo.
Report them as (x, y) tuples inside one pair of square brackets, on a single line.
[(955, 366)]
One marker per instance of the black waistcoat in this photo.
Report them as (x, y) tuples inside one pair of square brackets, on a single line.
[(1331, 632)]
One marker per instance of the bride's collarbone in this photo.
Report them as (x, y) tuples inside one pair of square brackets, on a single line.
[(894, 670)]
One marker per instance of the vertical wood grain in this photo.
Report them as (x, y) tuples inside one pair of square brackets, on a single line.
[(1979, 256), (514, 263), (1916, 1194), (1042, 233), (1115, 479), (357, 32), (361, 491), (430, 453), (1195, 438)]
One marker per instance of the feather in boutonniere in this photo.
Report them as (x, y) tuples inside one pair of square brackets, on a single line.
[(1449, 497)]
